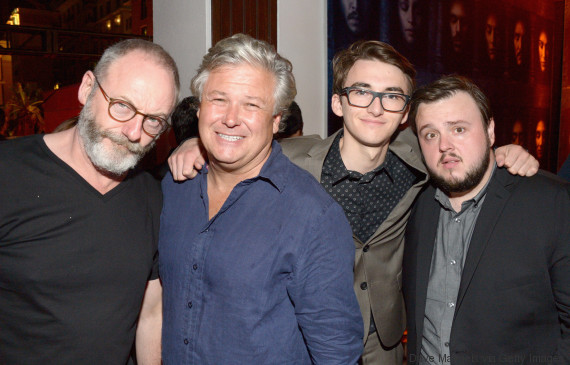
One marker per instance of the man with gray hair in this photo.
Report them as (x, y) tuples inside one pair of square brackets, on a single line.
[(78, 231), (255, 257)]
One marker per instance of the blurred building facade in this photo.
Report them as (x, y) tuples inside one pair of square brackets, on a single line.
[(51, 45)]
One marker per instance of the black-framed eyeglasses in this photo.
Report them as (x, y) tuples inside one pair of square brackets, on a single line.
[(123, 111), (362, 98)]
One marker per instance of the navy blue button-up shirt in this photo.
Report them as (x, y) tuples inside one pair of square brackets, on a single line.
[(268, 280)]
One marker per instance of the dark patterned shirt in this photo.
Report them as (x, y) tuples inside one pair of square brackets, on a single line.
[(367, 199)]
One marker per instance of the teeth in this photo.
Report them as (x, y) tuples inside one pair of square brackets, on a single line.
[(230, 138)]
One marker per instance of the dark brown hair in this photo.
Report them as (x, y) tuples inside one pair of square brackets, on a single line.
[(447, 87), (373, 51)]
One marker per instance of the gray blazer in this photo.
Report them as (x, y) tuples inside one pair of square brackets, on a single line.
[(378, 261)]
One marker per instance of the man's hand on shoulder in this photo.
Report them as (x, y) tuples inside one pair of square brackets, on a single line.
[(186, 160), (516, 160)]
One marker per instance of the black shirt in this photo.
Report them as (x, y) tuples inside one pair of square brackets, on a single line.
[(74, 263), (367, 199)]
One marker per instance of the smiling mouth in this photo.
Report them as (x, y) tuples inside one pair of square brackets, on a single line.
[(229, 138), (373, 122)]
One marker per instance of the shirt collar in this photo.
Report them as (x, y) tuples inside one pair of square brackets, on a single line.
[(273, 170), (343, 173)]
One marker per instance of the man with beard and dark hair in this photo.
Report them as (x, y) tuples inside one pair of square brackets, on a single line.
[(78, 231), (487, 257)]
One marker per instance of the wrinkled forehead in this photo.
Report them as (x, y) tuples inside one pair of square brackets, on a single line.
[(143, 82)]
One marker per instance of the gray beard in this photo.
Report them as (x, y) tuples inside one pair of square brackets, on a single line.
[(471, 179), (115, 158)]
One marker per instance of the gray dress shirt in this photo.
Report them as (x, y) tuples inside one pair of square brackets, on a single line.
[(454, 233)]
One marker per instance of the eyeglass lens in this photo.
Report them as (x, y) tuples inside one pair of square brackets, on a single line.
[(363, 98)]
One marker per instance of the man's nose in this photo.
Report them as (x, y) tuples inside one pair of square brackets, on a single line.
[(445, 143), (232, 116), (375, 108), (133, 128)]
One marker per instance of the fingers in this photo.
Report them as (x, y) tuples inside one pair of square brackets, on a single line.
[(175, 162), (500, 158), (517, 160), (529, 166), (186, 160)]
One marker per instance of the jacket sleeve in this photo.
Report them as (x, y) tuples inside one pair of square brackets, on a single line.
[(322, 291), (560, 274)]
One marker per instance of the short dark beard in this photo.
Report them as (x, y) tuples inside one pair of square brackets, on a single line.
[(471, 180)]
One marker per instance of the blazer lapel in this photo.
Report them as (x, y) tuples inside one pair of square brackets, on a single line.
[(316, 155), (493, 205)]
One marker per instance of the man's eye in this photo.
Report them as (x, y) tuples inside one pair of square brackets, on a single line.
[(121, 105), (459, 130), (153, 120), (429, 136), (361, 92), (393, 96)]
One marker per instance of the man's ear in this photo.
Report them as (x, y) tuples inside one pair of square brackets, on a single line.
[(87, 84), (276, 122), (406, 114), (491, 131), (336, 105)]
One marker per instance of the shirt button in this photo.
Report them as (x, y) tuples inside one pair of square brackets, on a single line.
[(195, 266), (364, 286), (365, 248), (451, 304), (446, 344), (190, 304), (457, 220), (452, 262), (186, 341)]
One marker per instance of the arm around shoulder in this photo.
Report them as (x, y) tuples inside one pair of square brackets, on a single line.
[(187, 159)]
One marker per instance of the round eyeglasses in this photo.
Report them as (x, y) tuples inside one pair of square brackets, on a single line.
[(362, 98), (123, 111)]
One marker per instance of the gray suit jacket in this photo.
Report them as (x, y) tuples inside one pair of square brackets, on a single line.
[(378, 261)]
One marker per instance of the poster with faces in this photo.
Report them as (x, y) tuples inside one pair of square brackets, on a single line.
[(511, 49)]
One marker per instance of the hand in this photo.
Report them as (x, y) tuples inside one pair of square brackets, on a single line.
[(186, 160), (517, 160)]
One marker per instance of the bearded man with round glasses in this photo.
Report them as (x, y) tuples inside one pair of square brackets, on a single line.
[(375, 173), (78, 231)]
